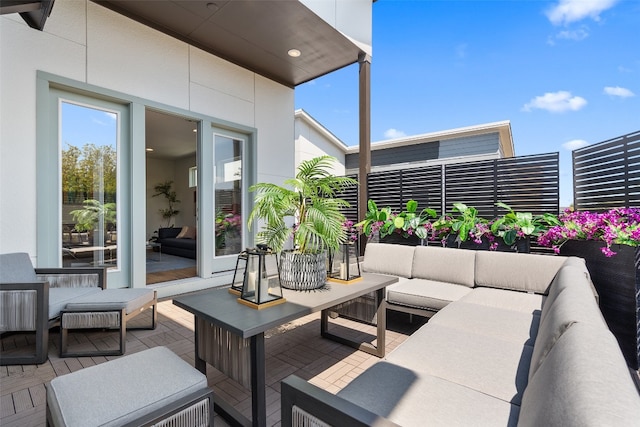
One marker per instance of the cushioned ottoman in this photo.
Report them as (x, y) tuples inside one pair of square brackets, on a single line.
[(110, 309), (152, 387)]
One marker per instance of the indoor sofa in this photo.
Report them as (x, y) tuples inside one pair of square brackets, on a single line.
[(179, 241), (516, 339)]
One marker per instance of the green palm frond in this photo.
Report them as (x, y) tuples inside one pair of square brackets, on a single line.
[(311, 200)]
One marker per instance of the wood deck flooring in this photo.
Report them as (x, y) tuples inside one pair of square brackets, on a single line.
[(294, 348)]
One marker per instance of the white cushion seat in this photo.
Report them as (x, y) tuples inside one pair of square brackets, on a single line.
[(122, 390)]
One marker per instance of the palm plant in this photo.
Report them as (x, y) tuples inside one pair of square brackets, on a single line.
[(92, 213), (311, 200)]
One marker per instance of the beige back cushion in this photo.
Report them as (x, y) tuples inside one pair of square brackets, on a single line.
[(385, 258), (584, 381), (444, 265), (520, 272)]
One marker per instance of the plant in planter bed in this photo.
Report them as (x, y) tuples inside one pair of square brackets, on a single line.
[(318, 222), (408, 226), (517, 228)]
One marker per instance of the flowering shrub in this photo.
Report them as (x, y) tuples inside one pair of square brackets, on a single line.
[(227, 222), (616, 226), (351, 231)]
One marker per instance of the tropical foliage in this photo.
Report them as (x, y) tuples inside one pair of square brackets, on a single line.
[(311, 199), (87, 218)]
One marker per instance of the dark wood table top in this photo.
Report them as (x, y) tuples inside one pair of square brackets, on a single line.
[(221, 308)]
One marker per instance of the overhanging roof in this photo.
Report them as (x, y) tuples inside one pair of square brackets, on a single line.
[(255, 35)]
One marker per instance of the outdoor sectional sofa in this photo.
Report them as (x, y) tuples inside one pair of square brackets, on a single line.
[(516, 339)]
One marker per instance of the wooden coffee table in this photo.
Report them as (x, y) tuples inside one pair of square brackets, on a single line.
[(230, 336)]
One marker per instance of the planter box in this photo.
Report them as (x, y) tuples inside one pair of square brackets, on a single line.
[(398, 239), (617, 280), (521, 245)]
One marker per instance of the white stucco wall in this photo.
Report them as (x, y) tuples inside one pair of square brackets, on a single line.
[(311, 143), (88, 43)]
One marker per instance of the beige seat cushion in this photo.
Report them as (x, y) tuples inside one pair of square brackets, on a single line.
[(425, 294), (498, 368), (522, 302), (508, 325), (413, 398), (121, 390)]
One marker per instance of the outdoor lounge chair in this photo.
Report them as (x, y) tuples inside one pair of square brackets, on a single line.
[(32, 299)]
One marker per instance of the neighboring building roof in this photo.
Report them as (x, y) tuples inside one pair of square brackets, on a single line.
[(306, 117), (503, 129)]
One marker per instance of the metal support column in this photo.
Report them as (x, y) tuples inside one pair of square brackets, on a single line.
[(365, 136)]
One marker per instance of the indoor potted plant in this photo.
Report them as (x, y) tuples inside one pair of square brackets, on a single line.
[(165, 189), (311, 199)]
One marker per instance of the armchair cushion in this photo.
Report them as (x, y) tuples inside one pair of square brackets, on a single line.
[(16, 268), (60, 297)]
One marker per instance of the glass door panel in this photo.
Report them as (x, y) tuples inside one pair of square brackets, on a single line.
[(89, 178), (228, 195)]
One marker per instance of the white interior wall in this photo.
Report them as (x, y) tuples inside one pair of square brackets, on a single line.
[(88, 43)]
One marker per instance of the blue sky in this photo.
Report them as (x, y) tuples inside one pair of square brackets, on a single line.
[(565, 73)]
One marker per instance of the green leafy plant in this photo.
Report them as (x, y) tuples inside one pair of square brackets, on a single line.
[(92, 213), (165, 189), (467, 222), (409, 222), (374, 219), (311, 200), (514, 225)]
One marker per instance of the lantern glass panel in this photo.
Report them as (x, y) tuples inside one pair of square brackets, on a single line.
[(346, 265), (261, 279)]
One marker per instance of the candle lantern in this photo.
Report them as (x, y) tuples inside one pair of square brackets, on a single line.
[(238, 274), (261, 283), (346, 264)]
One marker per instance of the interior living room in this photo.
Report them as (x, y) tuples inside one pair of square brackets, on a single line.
[(171, 197)]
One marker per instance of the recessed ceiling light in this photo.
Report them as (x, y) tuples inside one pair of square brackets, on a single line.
[(195, 130), (294, 53), (148, 150)]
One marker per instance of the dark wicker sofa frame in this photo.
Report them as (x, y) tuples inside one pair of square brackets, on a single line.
[(41, 312)]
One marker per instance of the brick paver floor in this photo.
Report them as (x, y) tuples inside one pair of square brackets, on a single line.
[(293, 348)]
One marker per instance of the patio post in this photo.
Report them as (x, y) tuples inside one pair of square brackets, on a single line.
[(365, 136)]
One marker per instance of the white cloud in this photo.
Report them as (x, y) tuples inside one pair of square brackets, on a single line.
[(618, 91), (394, 133), (568, 11), (556, 102), (623, 69), (576, 35), (574, 144)]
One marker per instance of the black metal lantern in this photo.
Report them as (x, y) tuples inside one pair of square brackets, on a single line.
[(345, 264), (238, 276), (261, 283)]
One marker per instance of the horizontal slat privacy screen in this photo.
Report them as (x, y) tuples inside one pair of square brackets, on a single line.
[(526, 183), (607, 175)]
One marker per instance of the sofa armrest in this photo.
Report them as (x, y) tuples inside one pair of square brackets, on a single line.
[(74, 277), (21, 310), (320, 404)]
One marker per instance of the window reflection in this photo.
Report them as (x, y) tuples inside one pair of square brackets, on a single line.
[(89, 186), (228, 195)]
